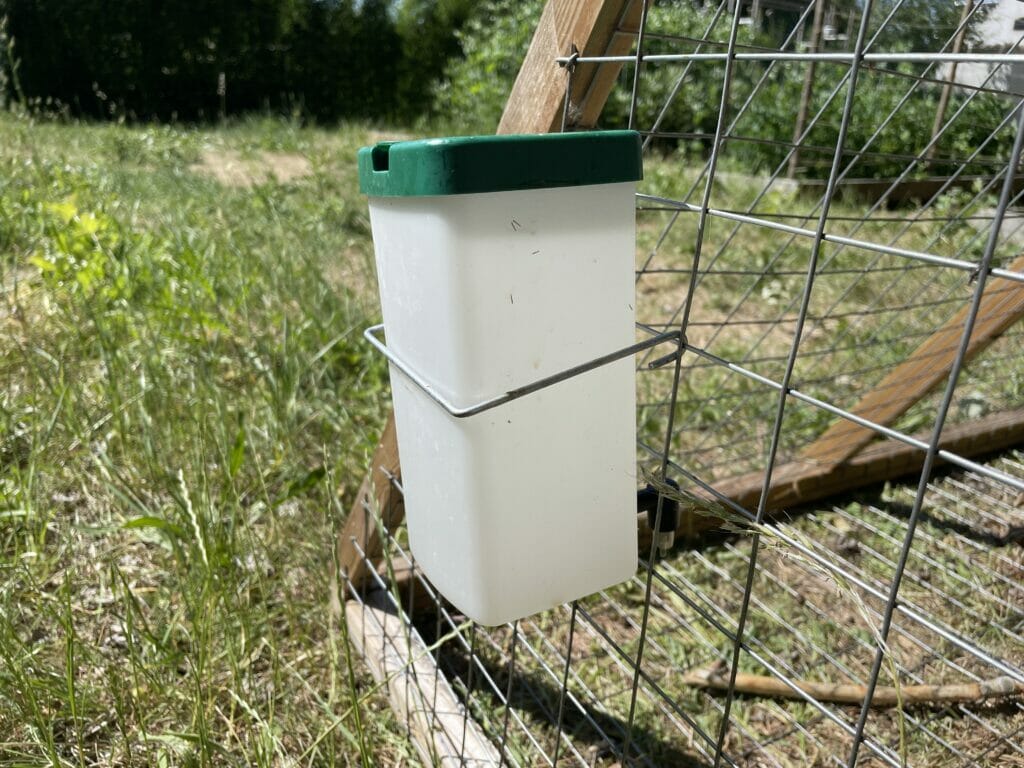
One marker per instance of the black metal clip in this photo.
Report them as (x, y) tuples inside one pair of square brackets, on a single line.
[(665, 533)]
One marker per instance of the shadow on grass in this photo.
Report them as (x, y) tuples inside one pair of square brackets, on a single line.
[(597, 734)]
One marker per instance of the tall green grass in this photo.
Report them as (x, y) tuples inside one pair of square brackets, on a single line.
[(186, 409)]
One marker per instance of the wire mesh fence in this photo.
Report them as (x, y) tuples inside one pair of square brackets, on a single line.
[(835, 431)]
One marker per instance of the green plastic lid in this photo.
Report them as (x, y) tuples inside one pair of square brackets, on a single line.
[(471, 164)]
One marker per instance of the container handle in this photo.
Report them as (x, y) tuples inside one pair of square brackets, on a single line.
[(485, 405), (380, 157)]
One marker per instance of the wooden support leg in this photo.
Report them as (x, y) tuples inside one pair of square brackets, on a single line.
[(596, 29), (798, 482), (419, 695), (378, 496)]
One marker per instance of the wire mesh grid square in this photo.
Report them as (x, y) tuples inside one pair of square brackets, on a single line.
[(822, 299)]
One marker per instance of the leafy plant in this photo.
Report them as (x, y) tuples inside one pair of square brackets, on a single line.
[(682, 101), (472, 93)]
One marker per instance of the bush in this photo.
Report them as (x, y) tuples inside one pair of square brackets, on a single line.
[(189, 60), (495, 39), (475, 86)]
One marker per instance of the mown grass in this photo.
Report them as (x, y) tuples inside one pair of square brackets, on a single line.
[(867, 312), (187, 408)]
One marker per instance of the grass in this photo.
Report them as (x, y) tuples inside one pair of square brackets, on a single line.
[(867, 311), (806, 622), (188, 408), (866, 316), (186, 411)]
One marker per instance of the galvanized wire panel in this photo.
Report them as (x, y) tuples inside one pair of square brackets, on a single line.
[(798, 288)]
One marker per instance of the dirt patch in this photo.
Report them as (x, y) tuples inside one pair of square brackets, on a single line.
[(354, 271), (230, 168)]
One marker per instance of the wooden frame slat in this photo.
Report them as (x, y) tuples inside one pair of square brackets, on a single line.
[(1001, 306), (798, 483), (595, 29), (419, 694)]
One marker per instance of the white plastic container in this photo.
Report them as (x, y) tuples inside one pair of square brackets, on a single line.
[(533, 503)]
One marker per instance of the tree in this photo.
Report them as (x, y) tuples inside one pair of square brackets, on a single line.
[(169, 59), (428, 31), (472, 92)]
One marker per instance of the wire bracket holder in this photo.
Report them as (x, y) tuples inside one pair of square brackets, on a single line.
[(461, 412)]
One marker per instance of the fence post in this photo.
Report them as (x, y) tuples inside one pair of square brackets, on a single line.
[(947, 87), (805, 94)]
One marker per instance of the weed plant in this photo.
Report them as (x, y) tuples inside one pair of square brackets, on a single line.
[(186, 410)]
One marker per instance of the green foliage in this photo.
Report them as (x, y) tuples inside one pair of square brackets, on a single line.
[(475, 86), (495, 39), (428, 31), (197, 61), (890, 127), (887, 126), (694, 109), (76, 254), (920, 25), (187, 402)]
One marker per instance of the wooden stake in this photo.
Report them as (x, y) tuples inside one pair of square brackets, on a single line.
[(808, 88), (419, 694), (846, 693), (377, 497), (947, 87)]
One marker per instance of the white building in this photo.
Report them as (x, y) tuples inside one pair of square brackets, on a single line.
[(1001, 31)]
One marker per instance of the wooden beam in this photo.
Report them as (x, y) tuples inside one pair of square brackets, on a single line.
[(596, 28), (418, 693), (799, 482), (377, 497), (1001, 306)]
